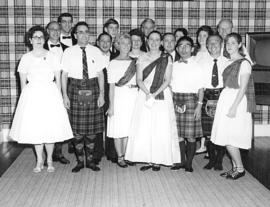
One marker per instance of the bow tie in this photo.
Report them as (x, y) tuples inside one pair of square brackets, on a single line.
[(66, 37), (57, 45), (182, 61)]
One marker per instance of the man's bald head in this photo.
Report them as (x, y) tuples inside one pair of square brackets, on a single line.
[(224, 27)]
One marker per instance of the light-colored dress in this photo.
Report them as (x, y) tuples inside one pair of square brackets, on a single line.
[(40, 115), (153, 133), (118, 125), (235, 131)]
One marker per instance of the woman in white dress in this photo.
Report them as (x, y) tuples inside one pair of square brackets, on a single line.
[(40, 117), (232, 125), (122, 95), (153, 133)]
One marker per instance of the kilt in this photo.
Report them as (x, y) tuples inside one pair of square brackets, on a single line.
[(85, 119), (187, 126), (207, 121)]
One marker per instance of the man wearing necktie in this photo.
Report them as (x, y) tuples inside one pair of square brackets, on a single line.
[(225, 27), (213, 66), (53, 44), (83, 93), (169, 46), (148, 25), (66, 20)]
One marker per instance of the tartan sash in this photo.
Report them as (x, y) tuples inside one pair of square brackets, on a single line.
[(230, 79), (160, 66), (130, 72)]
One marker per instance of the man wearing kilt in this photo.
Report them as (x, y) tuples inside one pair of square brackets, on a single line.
[(83, 93), (187, 87), (213, 66)]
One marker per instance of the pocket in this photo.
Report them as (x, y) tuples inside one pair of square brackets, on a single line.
[(210, 108)]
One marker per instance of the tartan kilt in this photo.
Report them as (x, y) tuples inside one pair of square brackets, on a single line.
[(207, 121), (85, 119), (187, 126)]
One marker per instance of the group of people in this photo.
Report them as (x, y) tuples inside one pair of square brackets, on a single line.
[(152, 95)]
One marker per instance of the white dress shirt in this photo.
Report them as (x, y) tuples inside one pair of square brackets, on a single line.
[(67, 41), (72, 61), (58, 51), (207, 67), (187, 77)]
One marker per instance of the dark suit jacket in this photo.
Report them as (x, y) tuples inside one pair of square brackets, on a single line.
[(46, 46)]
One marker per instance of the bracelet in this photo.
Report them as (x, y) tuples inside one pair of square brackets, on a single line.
[(201, 103)]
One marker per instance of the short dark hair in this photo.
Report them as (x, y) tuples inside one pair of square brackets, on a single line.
[(185, 38), (81, 23), (155, 31), (136, 32), (214, 35), (29, 34), (103, 34), (238, 38), (66, 14), (182, 29), (110, 21), (168, 33)]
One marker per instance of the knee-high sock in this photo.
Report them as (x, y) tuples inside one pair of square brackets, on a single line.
[(182, 146), (89, 147), (78, 142), (191, 149)]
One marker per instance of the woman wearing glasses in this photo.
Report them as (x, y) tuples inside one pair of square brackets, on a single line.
[(40, 117)]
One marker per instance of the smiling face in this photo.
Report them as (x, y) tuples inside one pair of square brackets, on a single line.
[(37, 40), (82, 35), (225, 28), (154, 41), (214, 45), (124, 45), (105, 43), (54, 31), (233, 46), (202, 37), (136, 42), (169, 43), (184, 49), (66, 24), (112, 29), (148, 27)]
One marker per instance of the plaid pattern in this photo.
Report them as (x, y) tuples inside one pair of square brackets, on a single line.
[(207, 121), (16, 17), (187, 126), (89, 119)]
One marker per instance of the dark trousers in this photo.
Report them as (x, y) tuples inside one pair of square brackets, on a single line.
[(99, 149)]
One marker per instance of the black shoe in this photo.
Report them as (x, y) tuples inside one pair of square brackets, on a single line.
[(228, 173), (146, 167), (189, 169), (198, 153), (122, 164), (156, 168), (178, 167), (218, 166), (63, 160), (130, 163), (113, 160), (96, 161), (209, 166), (206, 157), (92, 166), (78, 167), (236, 175)]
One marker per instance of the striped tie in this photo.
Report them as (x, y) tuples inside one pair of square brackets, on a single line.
[(84, 61)]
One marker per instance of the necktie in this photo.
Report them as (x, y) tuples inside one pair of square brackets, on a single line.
[(57, 45), (84, 61), (215, 74), (225, 52), (66, 37)]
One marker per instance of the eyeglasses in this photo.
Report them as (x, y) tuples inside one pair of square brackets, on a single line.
[(83, 32), (38, 38)]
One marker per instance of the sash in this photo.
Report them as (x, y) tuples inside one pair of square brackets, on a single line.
[(160, 66), (230, 79), (130, 72)]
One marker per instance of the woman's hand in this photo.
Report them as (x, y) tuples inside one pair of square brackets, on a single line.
[(66, 102), (198, 112), (110, 111), (232, 112), (148, 96)]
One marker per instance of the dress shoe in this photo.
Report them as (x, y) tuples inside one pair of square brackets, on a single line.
[(236, 175), (209, 166), (130, 163), (178, 167), (156, 168), (218, 167), (228, 173), (146, 167), (206, 157), (61, 159), (92, 166), (189, 169), (96, 161), (113, 160), (78, 167), (200, 151)]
